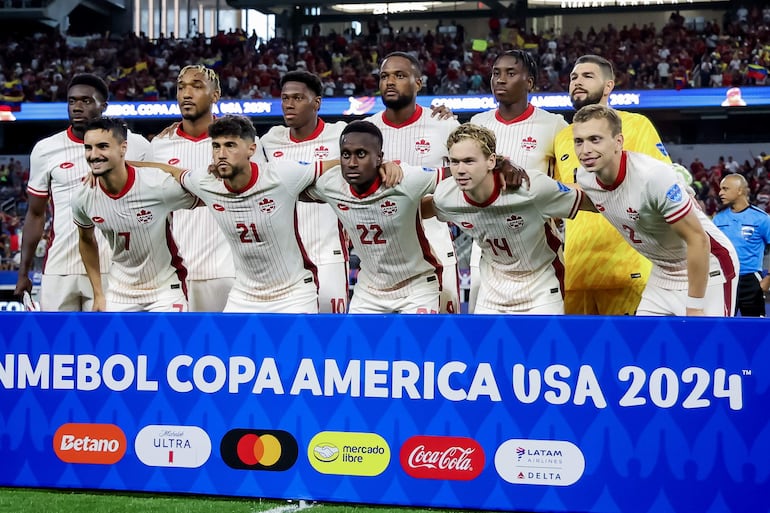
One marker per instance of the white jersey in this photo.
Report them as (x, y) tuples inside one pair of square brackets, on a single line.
[(202, 245), (518, 243), (57, 167), (135, 222), (319, 228), (644, 200), (526, 140), (421, 141), (384, 226), (260, 224)]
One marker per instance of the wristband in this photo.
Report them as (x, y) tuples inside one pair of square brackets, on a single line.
[(695, 303)]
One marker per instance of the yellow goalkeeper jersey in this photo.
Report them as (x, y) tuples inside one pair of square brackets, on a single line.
[(596, 256)]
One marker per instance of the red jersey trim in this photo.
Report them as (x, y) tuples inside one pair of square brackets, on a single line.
[(679, 214), (492, 198), (35, 192), (252, 180), (412, 119), (368, 192), (318, 129), (127, 187), (621, 175), (185, 135), (528, 112), (576, 205), (72, 136)]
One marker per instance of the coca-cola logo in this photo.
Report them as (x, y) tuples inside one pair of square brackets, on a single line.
[(442, 457)]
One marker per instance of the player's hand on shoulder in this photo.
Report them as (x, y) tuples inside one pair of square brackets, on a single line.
[(391, 173), (513, 176), (214, 171), (442, 112), (89, 179), (168, 131)]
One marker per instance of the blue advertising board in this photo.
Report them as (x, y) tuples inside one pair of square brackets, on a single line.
[(578, 414)]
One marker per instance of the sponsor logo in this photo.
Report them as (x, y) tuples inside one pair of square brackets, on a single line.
[(174, 161), (562, 187), (97, 219), (321, 152), (172, 446), (102, 444), (539, 462), (599, 207), (422, 147), (259, 449), (529, 144), (348, 454), (515, 221), (217, 207), (266, 206), (632, 214), (674, 193), (564, 157), (747, 232), (466, 224), (66, 165), (442, 457), (144, 216), (342, 206), (662, 149), (389, 208), (278, 154)]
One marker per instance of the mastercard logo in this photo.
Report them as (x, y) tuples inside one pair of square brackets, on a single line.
[(255, 449)]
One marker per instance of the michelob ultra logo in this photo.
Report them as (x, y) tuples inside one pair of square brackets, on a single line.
[(172, 446), (103, 444), (259, 449), (348, 454)]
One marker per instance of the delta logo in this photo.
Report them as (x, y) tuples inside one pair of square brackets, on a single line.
[(321, 153), (100, 444), (266, 206), (172, 446), (529, 144), (348, 453), (218, 207), (144, 216), (389, 208), (259, 449), (632, 214), (174, 161), (66, 165), (422, 147), (442, 457), (515, 221)]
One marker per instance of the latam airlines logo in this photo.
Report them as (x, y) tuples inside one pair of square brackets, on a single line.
[(529, 143), (102, 444), (172, 446), (259, 449), (422, 147), (540, 462), (442, 457)]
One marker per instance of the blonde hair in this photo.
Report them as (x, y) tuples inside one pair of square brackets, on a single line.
[(209, 73), (599, 111), (483, 136)]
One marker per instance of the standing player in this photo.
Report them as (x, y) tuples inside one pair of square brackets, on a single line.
[(524, 133), (521, 269), (615, 288), (132, 209), (414, 136), (399, 273), (57, 167), (307, 138), (694, 265), (206, 254), (748, 228)]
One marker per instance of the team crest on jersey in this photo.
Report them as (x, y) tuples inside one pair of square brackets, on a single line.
[(321, 152), (277, 154), (266, 206), (66, 165), (218, 207), (632, 214), (515, 221), (674, 193), (422, 147), (529, 143), (466, 224), (389, 208), (144, 216), (173, 161)]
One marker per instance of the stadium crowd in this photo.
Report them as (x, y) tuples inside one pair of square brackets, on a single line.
[(732, 52)]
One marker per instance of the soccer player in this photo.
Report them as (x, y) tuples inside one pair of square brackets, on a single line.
[(694, 265), (414, 136), (523, 133), (307, 138), (57, 167), (399, 273), (521, 269), (132, 209), (748, 228), (614, 288), (202, 245)]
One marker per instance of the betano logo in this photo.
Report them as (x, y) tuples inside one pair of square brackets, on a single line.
[(259, 449), (172, 446), (102, 444), (348, 454), (442, 457)]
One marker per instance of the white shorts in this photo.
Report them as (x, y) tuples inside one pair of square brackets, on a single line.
[(474, 264), (171, 301), (549, 309), (333, 287), (67, 293), (449, 298), (719, 300), (208, 295), (303, 299), (424, 298)]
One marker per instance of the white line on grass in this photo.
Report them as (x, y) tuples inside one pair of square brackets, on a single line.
[(300, 505)]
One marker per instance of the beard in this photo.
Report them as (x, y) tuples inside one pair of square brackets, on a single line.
[(590, 99), (399, 103)]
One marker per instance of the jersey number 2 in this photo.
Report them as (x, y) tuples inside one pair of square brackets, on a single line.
[(632, 234)]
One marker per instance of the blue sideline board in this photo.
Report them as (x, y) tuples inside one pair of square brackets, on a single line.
[(578, 414)]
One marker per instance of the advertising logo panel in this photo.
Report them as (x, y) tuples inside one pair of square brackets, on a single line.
[(172, 446), (540, 462), (102, 444), (442, 457), (348, 454), (259, 449)]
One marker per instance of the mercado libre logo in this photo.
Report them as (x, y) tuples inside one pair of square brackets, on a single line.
[(103, 444), (348, 453), (442, 457), (259, 449)]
